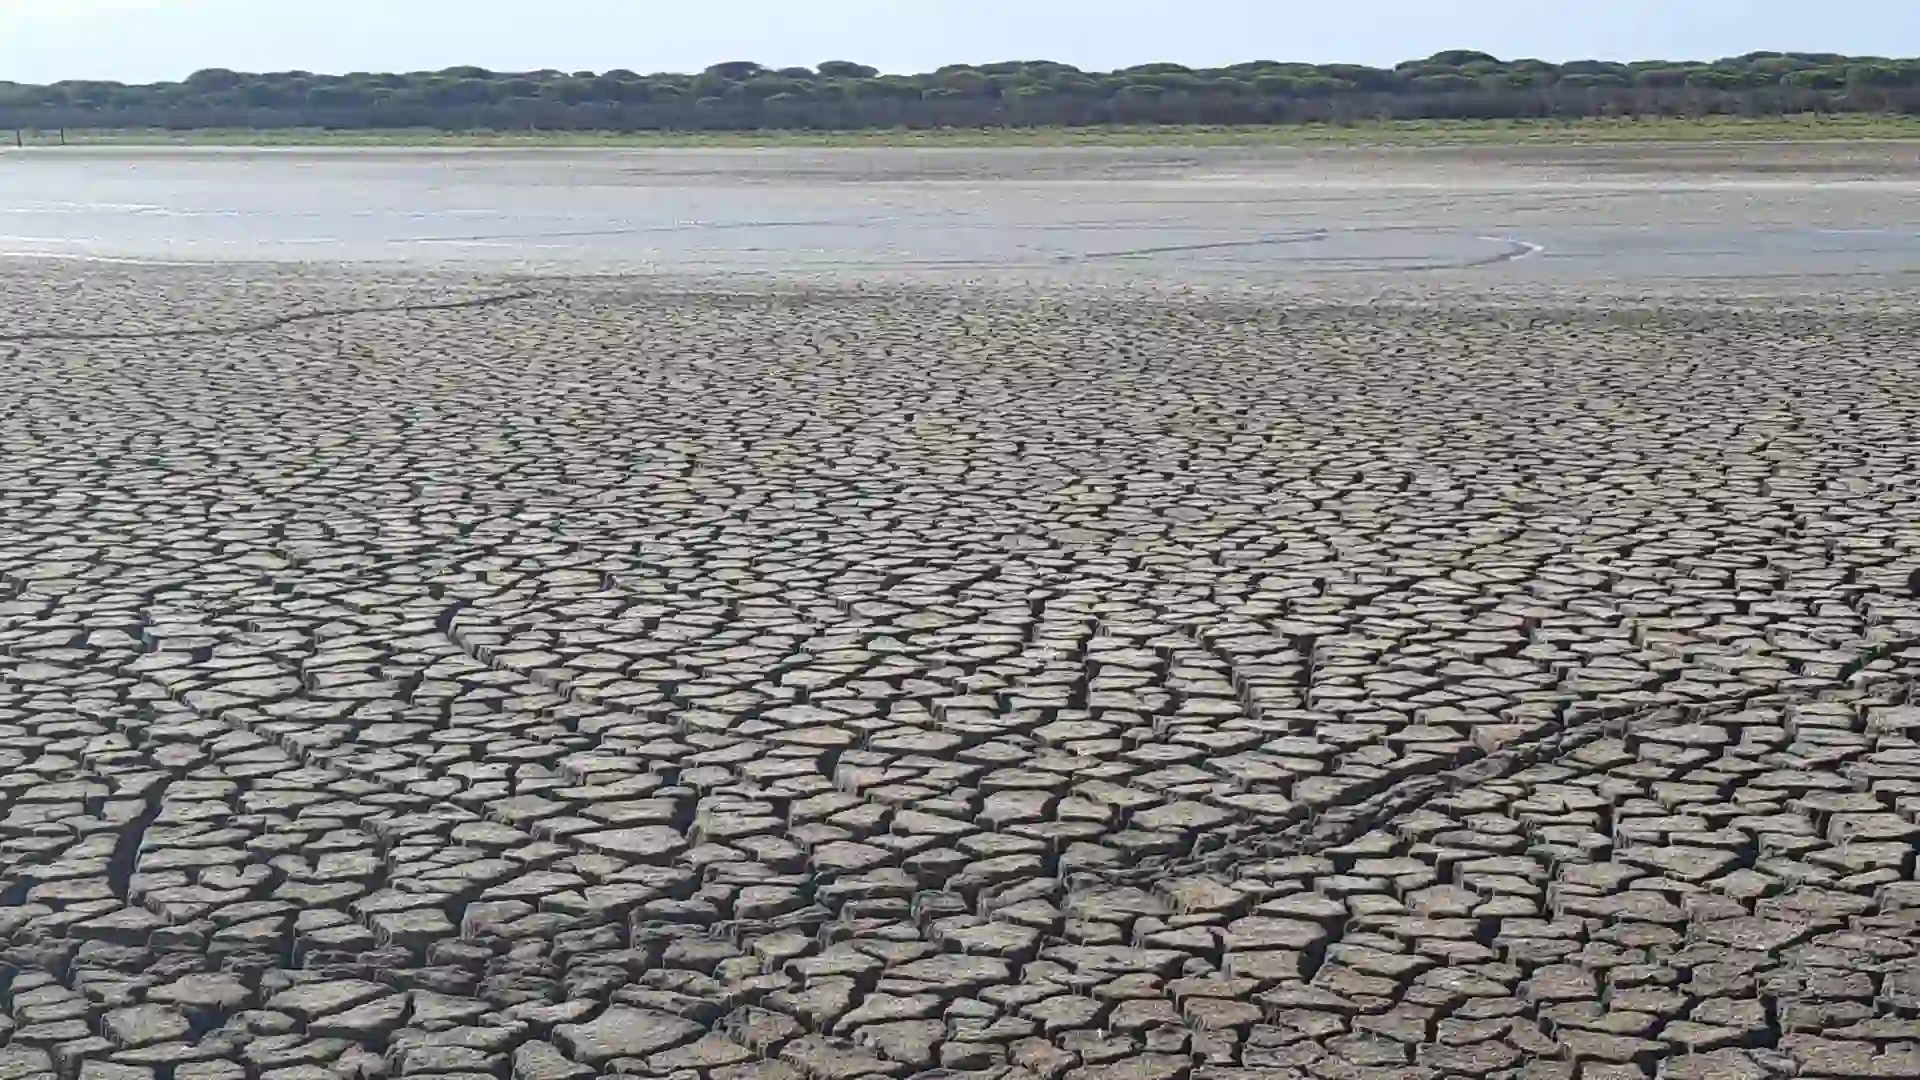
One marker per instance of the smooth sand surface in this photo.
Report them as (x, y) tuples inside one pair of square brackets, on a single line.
[(1657, 216)]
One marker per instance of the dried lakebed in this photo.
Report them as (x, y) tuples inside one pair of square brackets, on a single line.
[(1792, 218), (548, 680)]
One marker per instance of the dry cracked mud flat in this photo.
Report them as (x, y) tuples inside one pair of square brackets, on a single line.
[(552, 681)]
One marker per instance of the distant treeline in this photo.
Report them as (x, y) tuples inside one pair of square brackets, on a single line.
[(845, 95)]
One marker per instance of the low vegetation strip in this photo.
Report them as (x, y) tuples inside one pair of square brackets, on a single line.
[(1804, 127)]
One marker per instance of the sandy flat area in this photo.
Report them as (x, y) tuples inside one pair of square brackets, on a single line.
[(1735, 217)]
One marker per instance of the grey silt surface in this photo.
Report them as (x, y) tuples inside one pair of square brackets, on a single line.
[(1218, 216)]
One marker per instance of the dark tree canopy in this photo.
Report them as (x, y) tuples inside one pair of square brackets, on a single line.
[(847, 69), (843, 94)]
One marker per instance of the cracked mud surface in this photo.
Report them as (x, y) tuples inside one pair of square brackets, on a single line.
[(550, 680)]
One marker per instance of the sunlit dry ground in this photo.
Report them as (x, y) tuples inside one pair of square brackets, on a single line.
[(1642, 221), (428, 671)]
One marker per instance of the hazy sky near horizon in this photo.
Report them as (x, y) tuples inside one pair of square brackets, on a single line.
[(151, 40)]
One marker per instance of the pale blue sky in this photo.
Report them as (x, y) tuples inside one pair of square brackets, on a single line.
[(143, 40)]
